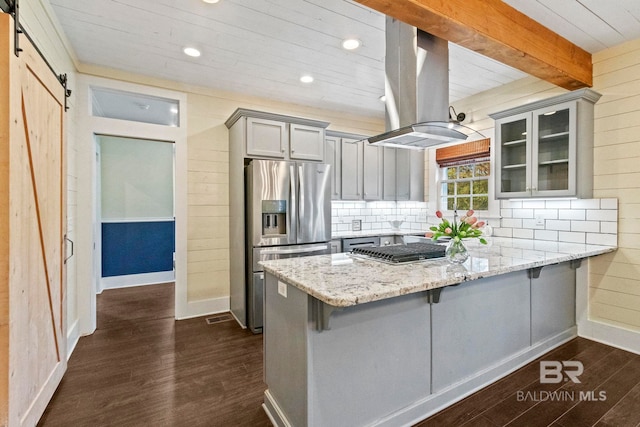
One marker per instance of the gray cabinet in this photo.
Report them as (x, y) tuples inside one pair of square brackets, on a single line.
[(409, 175), (372, 172), (352, 169), (306, 142), (389, 173), (264, 135), (266, 138), (545, 148), (336, 246), (333, 157)]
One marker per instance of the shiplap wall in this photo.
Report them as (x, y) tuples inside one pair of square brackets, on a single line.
[(614, 279)]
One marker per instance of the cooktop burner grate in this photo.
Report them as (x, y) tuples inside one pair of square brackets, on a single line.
[(402, 253)]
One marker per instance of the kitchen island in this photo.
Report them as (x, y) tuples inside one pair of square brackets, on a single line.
[(368, 343)]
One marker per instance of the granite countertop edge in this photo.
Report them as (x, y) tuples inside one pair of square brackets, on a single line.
[(318, 266)]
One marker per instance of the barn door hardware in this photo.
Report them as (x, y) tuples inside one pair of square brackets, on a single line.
[(14, 10), (67, 92)]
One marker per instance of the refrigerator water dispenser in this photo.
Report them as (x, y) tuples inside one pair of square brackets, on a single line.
[(274, 217)]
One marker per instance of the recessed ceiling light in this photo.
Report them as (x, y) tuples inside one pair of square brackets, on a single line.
[(191, 51), (211, 1), (351, 44), (382, 98), (306, 79)]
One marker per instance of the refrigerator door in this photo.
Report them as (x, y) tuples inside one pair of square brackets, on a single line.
[(270, 194), (314, 203)]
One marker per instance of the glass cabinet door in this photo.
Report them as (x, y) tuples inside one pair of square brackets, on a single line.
[(513, 156), (553, 166)]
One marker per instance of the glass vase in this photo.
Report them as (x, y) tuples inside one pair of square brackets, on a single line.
[(456, 252)]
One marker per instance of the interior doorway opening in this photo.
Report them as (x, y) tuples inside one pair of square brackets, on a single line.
[(135, 239)]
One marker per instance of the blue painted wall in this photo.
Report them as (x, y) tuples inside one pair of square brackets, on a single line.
[(137, 247)]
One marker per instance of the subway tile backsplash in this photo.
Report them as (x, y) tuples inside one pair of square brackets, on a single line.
[(576, 221), (376, 215)]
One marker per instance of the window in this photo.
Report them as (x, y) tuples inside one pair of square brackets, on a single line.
[(464, 171), (466, 186)]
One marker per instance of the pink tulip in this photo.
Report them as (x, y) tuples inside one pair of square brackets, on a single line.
[(439, 214), (428, 234), (479, 224), (470, 212), (447, 230), (471, 220)]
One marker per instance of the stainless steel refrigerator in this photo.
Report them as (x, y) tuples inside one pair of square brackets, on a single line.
[(288, 214)]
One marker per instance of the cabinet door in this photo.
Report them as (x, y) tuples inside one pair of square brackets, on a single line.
[(388, 173), (306, 142), (333, 158), (513, 156), (351, 168), (410, 175), (266, 138), (372, 172), (403, 174), (553, 156)]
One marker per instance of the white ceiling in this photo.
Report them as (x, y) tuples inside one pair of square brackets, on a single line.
[(262, 47)]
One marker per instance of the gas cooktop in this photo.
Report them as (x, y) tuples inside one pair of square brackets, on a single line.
[(400, 254)]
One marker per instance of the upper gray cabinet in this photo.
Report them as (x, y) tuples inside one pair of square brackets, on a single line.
[(267, 135), (372, 173), (306, 142), (545, 148), (266, 138), (389, 173), (409, 175), (352, 169)]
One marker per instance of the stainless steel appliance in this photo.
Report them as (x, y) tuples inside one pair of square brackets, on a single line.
[(288, 214)]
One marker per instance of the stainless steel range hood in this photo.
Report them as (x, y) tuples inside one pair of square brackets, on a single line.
[(416, 89)]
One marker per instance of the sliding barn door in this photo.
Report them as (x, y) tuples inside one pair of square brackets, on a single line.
[(36, 279)]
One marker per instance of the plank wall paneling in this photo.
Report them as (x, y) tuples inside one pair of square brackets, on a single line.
[(614, 283)]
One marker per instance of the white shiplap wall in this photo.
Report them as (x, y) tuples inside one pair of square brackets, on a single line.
[(614, 279)]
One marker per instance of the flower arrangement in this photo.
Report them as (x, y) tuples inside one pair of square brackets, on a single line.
[(467, 227)]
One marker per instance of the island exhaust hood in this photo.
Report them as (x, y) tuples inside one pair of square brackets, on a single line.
[(416, 90)]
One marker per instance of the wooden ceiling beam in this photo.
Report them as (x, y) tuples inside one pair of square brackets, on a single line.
[(497, 30)]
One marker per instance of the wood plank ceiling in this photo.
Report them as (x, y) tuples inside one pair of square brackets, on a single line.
[(263, 47)]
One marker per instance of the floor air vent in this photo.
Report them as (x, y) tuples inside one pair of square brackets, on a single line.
[(219, 318)]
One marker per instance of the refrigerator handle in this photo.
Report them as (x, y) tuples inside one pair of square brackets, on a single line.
[(300, 199), (293, 209)]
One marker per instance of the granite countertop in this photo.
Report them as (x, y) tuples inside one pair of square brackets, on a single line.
[(344, 284)]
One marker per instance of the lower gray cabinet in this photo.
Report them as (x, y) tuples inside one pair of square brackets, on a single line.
[(336, 246), (465, 321)]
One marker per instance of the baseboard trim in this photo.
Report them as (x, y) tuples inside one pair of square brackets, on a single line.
[(130, 280), (614, 336), (205, 307), (73, 335)]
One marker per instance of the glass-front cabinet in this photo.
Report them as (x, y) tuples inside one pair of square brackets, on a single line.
[(545, 149)]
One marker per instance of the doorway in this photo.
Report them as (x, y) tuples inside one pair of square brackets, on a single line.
[(135, 243), (132, 112)]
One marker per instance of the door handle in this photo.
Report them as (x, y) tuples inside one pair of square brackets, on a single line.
[(70, 241), (293, 251)]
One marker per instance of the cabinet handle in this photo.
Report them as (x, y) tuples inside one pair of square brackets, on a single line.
[(534, 188), (293, 151), (527, 189)]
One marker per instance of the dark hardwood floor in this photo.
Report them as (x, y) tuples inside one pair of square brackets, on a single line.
[(520, 399), (142, 368)]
